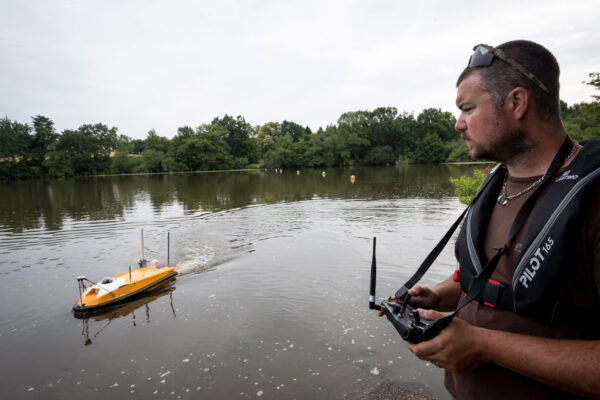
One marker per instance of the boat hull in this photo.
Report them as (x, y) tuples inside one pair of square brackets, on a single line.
[(123, 288)]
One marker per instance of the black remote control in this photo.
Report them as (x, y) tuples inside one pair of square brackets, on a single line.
[(407, 321)]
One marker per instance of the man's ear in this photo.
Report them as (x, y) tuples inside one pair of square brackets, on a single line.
[(518, 102)]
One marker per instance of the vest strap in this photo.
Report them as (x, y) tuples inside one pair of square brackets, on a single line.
[(497, 295)]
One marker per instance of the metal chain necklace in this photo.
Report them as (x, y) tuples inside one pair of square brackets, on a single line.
[(504, 198)]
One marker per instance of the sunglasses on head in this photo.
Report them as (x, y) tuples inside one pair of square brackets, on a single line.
[(484, 55)]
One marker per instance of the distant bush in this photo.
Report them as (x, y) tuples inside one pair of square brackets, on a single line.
[(466, 186)]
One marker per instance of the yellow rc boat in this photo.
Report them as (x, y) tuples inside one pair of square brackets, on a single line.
[(123, 287)]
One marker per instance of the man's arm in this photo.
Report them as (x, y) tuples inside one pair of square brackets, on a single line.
[(571, 365)]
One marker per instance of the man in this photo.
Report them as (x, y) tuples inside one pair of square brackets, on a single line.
[(533, 331)]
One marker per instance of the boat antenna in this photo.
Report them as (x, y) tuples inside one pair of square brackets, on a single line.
[(372, 304), (142, 261), (168, 249), (81, 286)]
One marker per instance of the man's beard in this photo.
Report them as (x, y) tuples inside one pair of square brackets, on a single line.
[(509, 147)]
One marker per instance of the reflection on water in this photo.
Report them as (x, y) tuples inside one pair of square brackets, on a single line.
[(52, 205), (91, 326), (271, 297)]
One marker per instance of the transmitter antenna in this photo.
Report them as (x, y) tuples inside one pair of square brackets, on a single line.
[(372, 305)]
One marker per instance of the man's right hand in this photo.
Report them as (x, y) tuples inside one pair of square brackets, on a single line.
[(424, 297), (421, 297), (443, 297)]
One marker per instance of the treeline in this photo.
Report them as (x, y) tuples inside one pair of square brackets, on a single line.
[(379, 137)]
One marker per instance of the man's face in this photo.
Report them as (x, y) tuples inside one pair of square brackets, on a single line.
[(483, 126)]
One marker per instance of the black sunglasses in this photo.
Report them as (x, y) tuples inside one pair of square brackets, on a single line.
[(484, 55)]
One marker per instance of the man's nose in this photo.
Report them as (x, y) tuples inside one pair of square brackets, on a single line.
[(460, 125)]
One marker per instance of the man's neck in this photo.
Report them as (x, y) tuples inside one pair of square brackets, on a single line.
[(537, 160)]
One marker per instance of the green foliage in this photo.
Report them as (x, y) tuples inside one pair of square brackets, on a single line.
[(266, 136), (379, 155), (155, 142), (153, 161), (582, 120), (85, 151), (430, 149), (44, 136), (297, 132), (122, 162), (438, 122), (239, 136), (205, 150), (138, 146), (458, 152), (15, 139), (595, 82), (465, 187), (59, 163)]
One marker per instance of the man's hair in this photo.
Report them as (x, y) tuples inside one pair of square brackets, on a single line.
[(499, 78)]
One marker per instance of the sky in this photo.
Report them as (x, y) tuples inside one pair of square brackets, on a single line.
[(143, 64)]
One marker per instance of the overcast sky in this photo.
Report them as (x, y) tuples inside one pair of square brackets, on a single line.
[(141, 65)]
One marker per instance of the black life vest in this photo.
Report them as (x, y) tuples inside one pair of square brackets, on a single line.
[(538, 284)]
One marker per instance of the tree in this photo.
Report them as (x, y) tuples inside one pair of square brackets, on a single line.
[(296, 131), (354, 129), (318, 152), (582, 120), (44, 136), (15, 138), (433, 120), (595, 82), (14, 151), (379, 155), (59, 162), (83, 151), (383, 127), (121, 162), (185, 131), (266, 136), (430, 149), (406, 135), (459, 151), (239, 136), (289, 154), (206, 149), (138, 146), (155, 142)]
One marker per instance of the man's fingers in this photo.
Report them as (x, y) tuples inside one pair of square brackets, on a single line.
[(430, 315), (415, 290), (424, 350)]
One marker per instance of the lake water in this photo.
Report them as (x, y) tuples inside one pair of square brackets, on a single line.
[(271, 300)]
